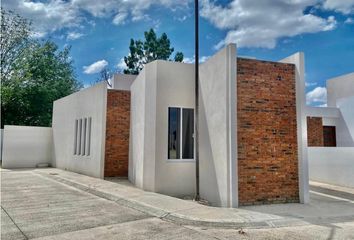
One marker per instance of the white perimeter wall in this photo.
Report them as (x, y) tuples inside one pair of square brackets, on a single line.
[(89, 102), (333, 165), (217, 129), (25, 147)]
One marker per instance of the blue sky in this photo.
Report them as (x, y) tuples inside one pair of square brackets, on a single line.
[(99, 31)]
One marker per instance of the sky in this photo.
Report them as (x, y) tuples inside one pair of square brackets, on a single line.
[(99, 31)]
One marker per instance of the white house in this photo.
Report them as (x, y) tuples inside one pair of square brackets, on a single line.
[(253, 141)]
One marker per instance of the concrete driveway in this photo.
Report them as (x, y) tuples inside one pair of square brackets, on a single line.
[(34, 207), (37, 207)]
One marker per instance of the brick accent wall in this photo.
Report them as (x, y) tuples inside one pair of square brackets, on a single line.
[(117, 134), (266, 132), (314, 132)]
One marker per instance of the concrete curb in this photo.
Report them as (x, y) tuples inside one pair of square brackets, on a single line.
[(172, 216)]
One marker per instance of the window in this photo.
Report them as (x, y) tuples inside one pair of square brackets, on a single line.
[(82, 136), (329, 136), (180, 133)]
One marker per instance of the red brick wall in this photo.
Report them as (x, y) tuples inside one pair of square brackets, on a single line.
[(266, 132), (117, 134), (314, 132)]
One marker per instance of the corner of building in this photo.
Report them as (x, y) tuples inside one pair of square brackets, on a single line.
[(299, 60)]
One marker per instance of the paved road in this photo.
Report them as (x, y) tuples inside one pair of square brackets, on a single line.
[(35, 207)]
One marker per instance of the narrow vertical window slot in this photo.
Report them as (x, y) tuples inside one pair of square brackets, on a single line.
[(75, 136), (88, 148), (79, 135), (84, 136)]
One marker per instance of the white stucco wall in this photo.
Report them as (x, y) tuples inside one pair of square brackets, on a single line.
[(339, 87), (299, 60), (175, 88), (346, 107), (160, 85), (1, 142), (122, 81), (25, 147), (89, 102), (143, 126), (217, 129), (333, 165)]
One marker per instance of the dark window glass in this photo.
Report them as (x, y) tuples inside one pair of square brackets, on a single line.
[(187, 134), (174, 116), (329, 136)]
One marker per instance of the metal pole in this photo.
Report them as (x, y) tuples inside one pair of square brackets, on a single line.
[(196, 9)]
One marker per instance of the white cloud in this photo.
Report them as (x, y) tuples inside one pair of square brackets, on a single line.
[(317, 95), (262, 23), (192, 59), (343, 6), (349, 21), (310, 84), (74, 35), (51, 15), (120, 18), (95, 67), (121, 65)]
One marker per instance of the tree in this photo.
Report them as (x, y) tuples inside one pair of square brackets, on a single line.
[(153, 48), (41, 75), (15, 32), (105, 75)]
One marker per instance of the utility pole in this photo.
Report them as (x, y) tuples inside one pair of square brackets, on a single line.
[(196, 122)]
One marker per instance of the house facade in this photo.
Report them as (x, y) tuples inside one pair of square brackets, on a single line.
[(252, 130), (332, 126)]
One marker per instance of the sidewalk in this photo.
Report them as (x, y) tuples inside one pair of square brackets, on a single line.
[(322, 210)]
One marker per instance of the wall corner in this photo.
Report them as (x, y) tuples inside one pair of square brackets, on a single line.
[(298, 59)]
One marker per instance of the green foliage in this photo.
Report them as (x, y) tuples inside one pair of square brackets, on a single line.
[(15, 32), (153, 48), (40, 74)]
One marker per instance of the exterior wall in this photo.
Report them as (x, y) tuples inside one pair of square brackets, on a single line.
[(217, 129), (267, 132), (89, 102), (117, 134), (314, 132), (143, 129), (332, 116), (159, 85), (1, 142), (25, 147), (332, 165), (339, 87), (123, 81), (137, 132), (298, 59), (346, 126), (174, 88)]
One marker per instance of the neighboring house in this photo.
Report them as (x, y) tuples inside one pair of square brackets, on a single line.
[(331, 134), (251, 125), (333, 126)]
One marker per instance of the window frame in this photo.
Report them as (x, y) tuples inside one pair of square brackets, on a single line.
[(181, 159)]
